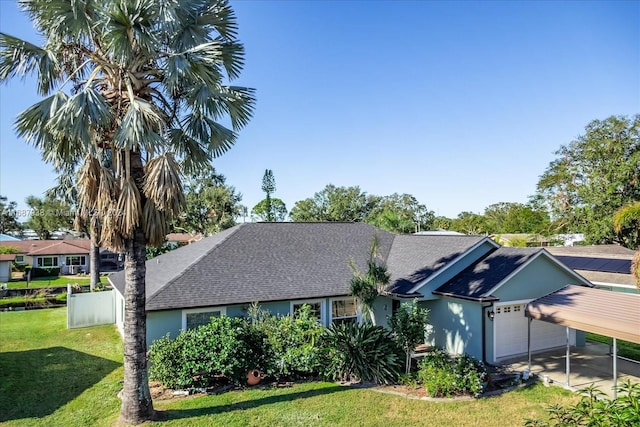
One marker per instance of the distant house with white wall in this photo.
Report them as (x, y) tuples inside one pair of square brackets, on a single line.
[(71, 256)]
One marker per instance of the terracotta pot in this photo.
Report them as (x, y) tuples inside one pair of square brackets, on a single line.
[(254, 377)]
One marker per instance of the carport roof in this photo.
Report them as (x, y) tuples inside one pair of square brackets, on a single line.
[(613, 314)]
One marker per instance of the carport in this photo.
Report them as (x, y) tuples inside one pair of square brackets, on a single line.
[(612, 314)]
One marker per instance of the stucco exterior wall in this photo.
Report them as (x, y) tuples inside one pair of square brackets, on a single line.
[(455, 325)]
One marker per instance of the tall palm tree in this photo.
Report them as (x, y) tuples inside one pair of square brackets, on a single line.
[(145, 82), (629, 217)]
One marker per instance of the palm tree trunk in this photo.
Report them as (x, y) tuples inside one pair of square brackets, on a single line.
[(94, 263), (137, 405)]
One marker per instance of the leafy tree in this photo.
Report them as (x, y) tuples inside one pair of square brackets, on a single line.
[(8, 219), (442, 223), (211, 204), (367, 286), (508, 217), (48, 215), (628, 217), (400, 213), (408, 325), (143, 82), (270, 209), (470, 223), (346, 204), (592, 177)]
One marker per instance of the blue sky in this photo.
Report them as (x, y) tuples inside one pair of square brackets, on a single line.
[(460, 103)]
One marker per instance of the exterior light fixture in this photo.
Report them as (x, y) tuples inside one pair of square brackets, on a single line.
[(491, 314)]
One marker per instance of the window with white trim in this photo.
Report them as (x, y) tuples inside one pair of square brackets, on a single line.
[(76, 260), (20, 258), (344, 310), (315, 305), (47, 261), (195, 317)]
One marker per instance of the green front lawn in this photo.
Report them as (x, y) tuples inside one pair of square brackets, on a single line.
[(50, 282), (53, 376)]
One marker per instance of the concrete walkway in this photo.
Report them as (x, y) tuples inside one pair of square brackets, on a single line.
[(591, 364)]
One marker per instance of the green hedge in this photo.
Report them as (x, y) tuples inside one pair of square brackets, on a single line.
[(43, 271)]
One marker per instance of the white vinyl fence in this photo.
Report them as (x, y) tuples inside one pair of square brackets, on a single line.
[(90, 309)]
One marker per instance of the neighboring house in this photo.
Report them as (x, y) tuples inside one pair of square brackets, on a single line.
[(72, 256), (475, 290), (6, 260), (606, 266)]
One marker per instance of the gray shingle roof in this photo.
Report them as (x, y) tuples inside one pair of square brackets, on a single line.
[(479, 279), (414, 258), (260, 262), (285, 261)]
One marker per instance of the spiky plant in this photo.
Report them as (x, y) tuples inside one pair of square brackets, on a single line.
[(366, 287), (144, 83)]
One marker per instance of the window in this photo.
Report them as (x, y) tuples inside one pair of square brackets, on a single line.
[(20, 259), (344, 310), (316, 308), (195, 317), (48, 261), (76, 260)]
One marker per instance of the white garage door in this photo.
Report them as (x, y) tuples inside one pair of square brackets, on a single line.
[(510, 332)]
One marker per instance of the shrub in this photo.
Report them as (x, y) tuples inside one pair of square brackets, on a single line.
[(198, 357), (291, 348), (444, 376), (594, 409), (43, 271), (408, 325), (361, 353)]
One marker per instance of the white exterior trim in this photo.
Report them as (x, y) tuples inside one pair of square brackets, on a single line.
[(221, 309), (358, 308), (452, 263), (323, 307)]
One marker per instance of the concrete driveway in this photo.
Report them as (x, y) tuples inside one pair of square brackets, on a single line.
[(591, 364)]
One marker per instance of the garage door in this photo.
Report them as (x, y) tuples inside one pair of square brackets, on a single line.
[(510, 332)]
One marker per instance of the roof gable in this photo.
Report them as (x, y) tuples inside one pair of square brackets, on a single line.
[(416, 259), (481, 280)]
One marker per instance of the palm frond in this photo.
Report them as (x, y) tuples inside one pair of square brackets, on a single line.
[(88, 184), (81, 116), (163, 185), (627, 216), (62, 19), (141, 127), (130, 35), (110, 236), (108, 192), (155, 223), (129, 209), (193, 156), (19, 58)]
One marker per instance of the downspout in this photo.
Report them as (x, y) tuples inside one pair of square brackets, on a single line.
[(484, 333)]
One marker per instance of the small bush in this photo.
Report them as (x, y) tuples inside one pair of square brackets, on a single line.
[(594, 409), (44, 272), (361, 353), (292, 344), (198, 357), (444, 376)]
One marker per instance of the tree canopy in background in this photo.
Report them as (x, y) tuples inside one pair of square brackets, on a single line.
[(211, 204), (592, 177), (269, 209), (8, 217), (48, 215)]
